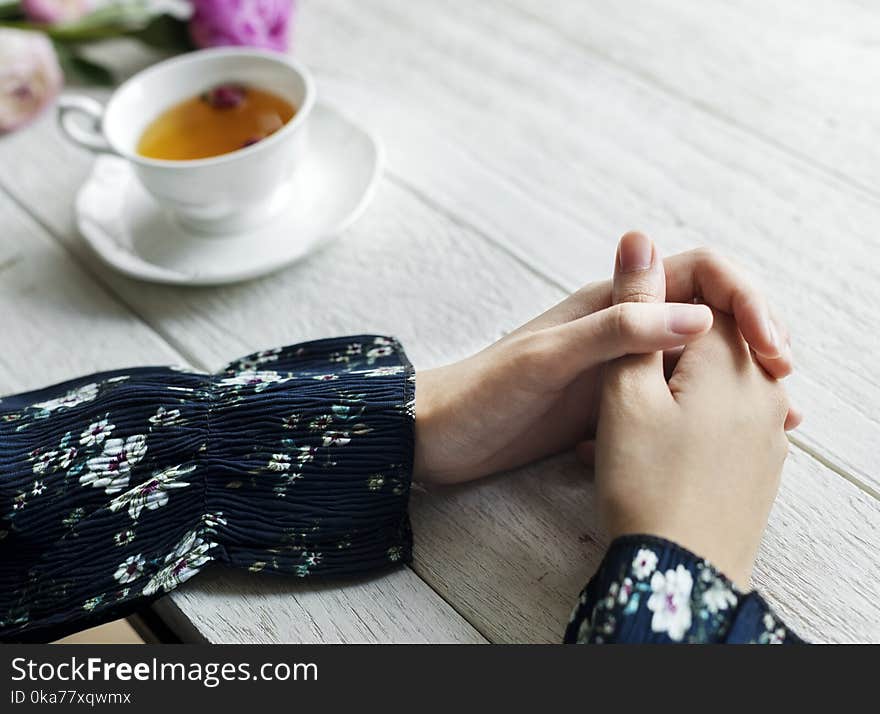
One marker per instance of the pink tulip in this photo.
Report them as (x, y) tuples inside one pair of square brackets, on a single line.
[(30, 76), (55, 12), (251, 23)]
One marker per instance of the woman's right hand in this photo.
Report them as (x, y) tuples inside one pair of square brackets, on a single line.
[(696, 460)]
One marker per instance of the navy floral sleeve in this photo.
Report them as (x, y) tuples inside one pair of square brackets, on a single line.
[(116, 488), (649, 590)]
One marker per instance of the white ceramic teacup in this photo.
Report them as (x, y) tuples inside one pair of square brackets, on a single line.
[(221, 194)]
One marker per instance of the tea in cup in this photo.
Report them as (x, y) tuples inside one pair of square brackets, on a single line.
[(214, 136)]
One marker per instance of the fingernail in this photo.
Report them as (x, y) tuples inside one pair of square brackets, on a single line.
[(687, 319), (636, 252)]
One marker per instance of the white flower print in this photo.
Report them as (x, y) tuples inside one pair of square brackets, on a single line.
[(279, 462), (85, 393), (325, 377), (43, 461), (110, 470), (307, 453), (670, 602), (335, 438), (130, 569), (777, 637), (96, 433), (19, 502), (309, 559), (383, 371), (92, 603), (319, 423), (255, 360), (124, 537), (165, 417), (66, 457), (625, 591), (253, 378), (718, 597), (644, 563), (212, 520), (290, 479), (38, 488), (181, 564), (375, 353), (152, 493)]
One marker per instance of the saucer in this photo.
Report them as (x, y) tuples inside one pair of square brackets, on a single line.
[(332, 186)]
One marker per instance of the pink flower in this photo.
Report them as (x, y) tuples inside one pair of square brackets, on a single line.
[(55, 12), (30, 76), (251, 23)]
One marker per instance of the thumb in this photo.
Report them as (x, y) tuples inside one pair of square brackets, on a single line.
[(638, 271), (638, 277)]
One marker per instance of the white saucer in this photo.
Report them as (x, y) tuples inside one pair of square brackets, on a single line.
[(330, 189)]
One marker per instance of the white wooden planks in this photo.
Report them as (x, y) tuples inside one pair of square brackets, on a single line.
[(802, 73), (392, 608)]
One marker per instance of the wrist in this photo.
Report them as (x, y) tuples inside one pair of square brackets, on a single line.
[(733, 563), (428, 417)]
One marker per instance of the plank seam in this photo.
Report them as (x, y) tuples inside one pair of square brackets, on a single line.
[(834, 467)]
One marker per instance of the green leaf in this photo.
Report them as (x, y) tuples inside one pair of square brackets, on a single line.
[(10, 9), (80, 70), (165, 33)]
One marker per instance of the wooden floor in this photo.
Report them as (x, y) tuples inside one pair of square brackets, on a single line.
[(523, 138)]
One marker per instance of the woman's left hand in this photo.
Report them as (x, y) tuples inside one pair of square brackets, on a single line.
[(535, 392)]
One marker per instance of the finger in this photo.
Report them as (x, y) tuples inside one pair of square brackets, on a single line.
[(793, 419), (713, 362), (778, 367), (625, 329), (638, 278), (706, 275)]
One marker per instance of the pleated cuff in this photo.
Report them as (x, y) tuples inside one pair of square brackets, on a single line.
[(315, 461)]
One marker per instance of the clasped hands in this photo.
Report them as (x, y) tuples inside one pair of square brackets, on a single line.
[(665, 379)]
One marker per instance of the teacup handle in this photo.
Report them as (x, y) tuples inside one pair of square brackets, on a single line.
[(90, 136)]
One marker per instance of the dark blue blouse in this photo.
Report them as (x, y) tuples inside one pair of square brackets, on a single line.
[(117, 487)]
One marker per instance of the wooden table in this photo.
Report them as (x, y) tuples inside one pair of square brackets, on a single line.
[(523, 138)]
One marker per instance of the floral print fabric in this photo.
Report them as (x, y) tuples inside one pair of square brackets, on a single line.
[(648, 589), (117, 488)]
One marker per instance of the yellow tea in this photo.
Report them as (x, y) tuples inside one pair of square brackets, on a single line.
[(223, 119)]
